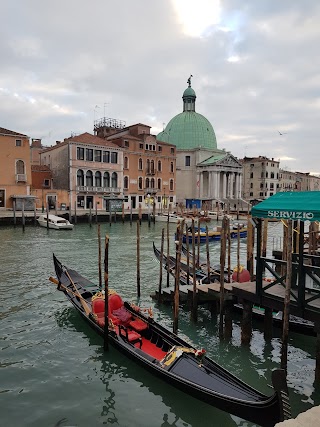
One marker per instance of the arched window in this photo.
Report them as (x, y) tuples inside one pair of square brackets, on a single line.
[(20, 167), (152, 182), (251, 175), (147, 182), (272, 175), (140, 183), (159, 183), (126, 183), (159, 166), (152, 166), (171, 184), (114, 180), (106, 180), (89, 179), (126, 163), (148, 166), (80, 178), (140, 164), (98, 179), (171, 167)]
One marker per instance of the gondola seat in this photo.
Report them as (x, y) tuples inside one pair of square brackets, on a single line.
[(98, 310), (130, 335), (117, 312), (138, 325)]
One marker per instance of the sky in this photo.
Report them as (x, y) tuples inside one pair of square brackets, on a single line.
[(255, 67)]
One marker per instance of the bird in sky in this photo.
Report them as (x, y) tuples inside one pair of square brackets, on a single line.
[(283, 133)]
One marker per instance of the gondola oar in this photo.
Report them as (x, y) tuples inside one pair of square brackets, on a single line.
[(56, 282), (83, 302)]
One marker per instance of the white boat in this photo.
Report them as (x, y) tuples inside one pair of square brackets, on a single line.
[(173, 218), (55, 222)]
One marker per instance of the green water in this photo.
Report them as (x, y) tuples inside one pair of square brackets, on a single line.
[(53, 371)]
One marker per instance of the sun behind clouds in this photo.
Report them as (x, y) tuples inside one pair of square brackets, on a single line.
[(197, 16)]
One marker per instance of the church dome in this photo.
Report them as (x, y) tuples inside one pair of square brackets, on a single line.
[(189, 130)]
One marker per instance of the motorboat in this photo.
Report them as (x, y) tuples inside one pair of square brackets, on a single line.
[(55, 222)]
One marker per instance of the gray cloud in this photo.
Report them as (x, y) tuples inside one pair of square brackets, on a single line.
[(255, 72)]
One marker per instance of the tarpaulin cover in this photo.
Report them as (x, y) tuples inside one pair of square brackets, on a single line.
[(302, 205)]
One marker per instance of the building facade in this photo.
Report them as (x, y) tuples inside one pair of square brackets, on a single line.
[(205, 174), (260, 177), (15, 170), (89, 168), (149, 166)]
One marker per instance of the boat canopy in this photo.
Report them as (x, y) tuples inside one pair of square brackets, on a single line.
[(302, 205)]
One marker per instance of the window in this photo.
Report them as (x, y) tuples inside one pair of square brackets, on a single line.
[(261, 184), (148, 166), (251, 185), (272, 175), (89, 154), (140, 183), (261, 174), (159, 183), (251, 175), (106, 180), (140, 199), (271, 186), (171, 184), (141, 146), (172, 150), (147, 182), (97, 155), (80, 153), (89, 178), (152, 182), (106, 157), (267, 174), (252, 165), (126, 163), (46, 183), (114, 179), (261, 194), (187, 160), (159, 148), (171, 167), (98, 179), (140, 164), (251, 194), (80, 178), (114, 157), (18, 143), (152, 166), (271, 194), (159, 166), (126, 143), (20, 167), (125, 183)]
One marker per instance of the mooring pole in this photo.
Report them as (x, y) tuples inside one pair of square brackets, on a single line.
[(286, 311), (194, 311), (138, 259), (106, 294), (161, 265), (168, 252), (99, 257), (222, 265)]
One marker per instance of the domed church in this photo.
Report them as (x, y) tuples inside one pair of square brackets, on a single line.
[(203, 172)]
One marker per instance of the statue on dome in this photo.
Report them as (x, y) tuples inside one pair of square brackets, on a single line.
[(189, 80)]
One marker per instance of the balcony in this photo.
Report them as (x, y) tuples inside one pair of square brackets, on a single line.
[(21, 177), (101, 190)]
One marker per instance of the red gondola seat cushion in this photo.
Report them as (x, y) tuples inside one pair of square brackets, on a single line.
[(138, 325)]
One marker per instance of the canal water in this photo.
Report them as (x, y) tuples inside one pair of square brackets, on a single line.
[(53, 370)]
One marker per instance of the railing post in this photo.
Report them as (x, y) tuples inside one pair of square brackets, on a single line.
[(259, 261), (301, 270)]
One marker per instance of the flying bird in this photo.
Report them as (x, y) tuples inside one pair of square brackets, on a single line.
[(283, 133)]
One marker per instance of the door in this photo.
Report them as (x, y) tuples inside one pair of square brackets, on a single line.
[(133, 202), (1, 198)]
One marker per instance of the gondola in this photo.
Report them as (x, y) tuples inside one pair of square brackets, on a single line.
[(164, 354)]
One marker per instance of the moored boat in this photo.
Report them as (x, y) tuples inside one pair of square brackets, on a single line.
[(213, 233), (164, 354), (55, 222)]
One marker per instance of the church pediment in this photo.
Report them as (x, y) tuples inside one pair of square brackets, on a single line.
[(229, 161)]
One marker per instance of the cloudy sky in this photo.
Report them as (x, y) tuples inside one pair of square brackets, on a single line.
[(255, 67)]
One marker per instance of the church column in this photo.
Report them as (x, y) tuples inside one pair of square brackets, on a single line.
[(214, 184), (231, 180), (198, 186), (224, 185), (240, 185), (201, 186)]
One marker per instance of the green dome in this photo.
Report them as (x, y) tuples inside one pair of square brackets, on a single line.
[(189, 130), (189, 92)]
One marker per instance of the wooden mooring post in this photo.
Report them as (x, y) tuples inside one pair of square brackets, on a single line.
[(14, 214), (194, 310), (23, 217), (99, 257), (138, 259), (246, 324), (250, 243), (75, 212), (180, 228), (106, 294), (222, 266), (161, 262), (286, 309), (168, 252)]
